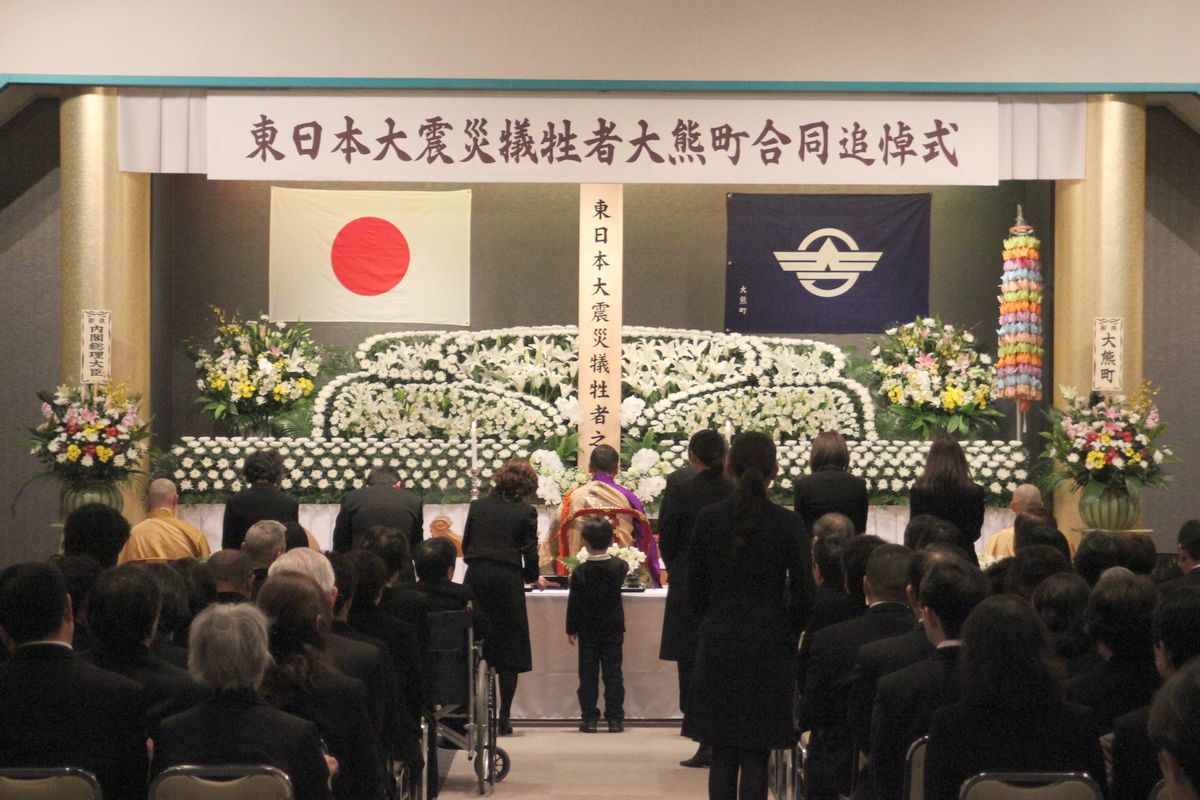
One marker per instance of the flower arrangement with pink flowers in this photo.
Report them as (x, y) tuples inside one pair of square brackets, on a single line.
[(1106, 444), (934, 379), (90, 433)]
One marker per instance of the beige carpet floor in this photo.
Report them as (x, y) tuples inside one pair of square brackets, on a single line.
[(560, 762)]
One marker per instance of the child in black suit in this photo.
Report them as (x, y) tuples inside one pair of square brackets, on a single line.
[(595, 617)]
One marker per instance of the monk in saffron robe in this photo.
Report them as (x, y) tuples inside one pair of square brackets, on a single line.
[(602, 495)]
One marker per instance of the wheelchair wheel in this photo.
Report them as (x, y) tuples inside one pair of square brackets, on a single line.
[(500, 764)]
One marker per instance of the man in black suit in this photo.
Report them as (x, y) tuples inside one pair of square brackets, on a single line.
[(57, 710), (263, 499), (1176, 643), (1188, 541), (823, 705), (381, 502), (704, 484), (434, 560), (264, 542), (1175, 731), (232, 575), (888, 655), (906, 699)]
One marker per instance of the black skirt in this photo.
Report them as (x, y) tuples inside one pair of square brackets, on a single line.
[(742, 694), (499, 591)]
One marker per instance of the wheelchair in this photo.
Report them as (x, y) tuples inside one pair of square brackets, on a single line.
[(464, 696)]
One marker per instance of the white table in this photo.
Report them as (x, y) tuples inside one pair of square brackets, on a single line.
[(651, 685)]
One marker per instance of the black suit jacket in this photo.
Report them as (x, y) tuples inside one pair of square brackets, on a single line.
[(241, 728), (966, 739), (369, 663), (1117, 687), (338, 706), (1134, 757), (904, 704), (504, 531), (57, 710), (831, 605), (378, 505), (167, 688), (875, 660), (259, 502), (682, 503), (764, 592), (832, 490), (387, 707), (594, 609), (832, 657), (405, 650), (962, 508)]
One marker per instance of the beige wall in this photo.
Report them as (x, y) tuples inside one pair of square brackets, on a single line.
[(1091, 41)]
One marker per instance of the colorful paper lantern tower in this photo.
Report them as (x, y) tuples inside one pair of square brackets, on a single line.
[(1019, 338)]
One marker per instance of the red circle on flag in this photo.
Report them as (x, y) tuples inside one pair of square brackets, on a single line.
[(369, 256)]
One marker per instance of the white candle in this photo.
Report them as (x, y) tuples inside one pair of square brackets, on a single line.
[(474, 446), (729, 430)]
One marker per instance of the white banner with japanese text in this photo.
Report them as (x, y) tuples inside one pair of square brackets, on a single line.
[(95, 328), (1108, 354), (601, 138), (601, 286)]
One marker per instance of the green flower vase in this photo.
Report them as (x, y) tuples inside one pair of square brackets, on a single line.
[(75, 495), (1111, 511)]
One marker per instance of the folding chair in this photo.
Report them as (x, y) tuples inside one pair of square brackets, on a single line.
[(914, 770), (226, 782), (1030, 786), (50, 783)]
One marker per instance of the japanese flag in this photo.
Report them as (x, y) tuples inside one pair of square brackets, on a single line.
[(370, 256)]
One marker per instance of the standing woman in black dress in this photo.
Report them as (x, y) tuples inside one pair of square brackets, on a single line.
[(830, 487), (946, 490), (500, 548), (750, 582)]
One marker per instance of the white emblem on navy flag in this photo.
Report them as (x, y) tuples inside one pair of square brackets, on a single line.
[(827, 263)]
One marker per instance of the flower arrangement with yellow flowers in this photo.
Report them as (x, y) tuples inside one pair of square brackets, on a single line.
[(934, 379), (255, 370), (90, 433), (1106, 444)]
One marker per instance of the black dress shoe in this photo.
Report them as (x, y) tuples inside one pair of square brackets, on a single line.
[(588, 726), (504, 727), (616, 726), (702, 758)]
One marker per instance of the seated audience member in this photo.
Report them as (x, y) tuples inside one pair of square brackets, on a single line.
[(830, 487), (162, 536), (264, 542), (1027, 520), (174, 618), (1119, 617), (232, 574), (201, 591), (855, 554), (123, 611), (80, 573), (56, 709), (230, 655), (402, 738), (299, 681), (1026, 497), (95, 530), (1061, 602), (399, 600), (906, 699), (261, 500), (831, 602), (1097, 552), (1032, 565), (1011, 716), (1043, 535), (1175, 731), (1188, 541), (823, 704), (885, 656), (434, 560), (923, 530), (1139, 555), (1176, 643), (367, 662), (997, 574)]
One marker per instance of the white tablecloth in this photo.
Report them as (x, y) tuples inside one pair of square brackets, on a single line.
[(651, 686)]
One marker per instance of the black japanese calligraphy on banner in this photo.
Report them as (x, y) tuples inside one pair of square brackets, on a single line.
[(601, 242), (95, 366), (645, 139), (825, 263)]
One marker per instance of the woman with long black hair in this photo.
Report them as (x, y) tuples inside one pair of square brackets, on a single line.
[(947, 491), (750, 583)]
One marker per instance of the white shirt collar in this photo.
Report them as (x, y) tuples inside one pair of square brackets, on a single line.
[(47, 641), (950, 643), (601, 557)]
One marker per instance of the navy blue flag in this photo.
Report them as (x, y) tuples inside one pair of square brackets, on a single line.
[(843, 263)]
